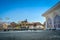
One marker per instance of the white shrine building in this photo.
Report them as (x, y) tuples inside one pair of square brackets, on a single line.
[(53, 17)]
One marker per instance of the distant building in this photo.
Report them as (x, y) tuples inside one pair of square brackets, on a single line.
[(32, 25), (21, 25), (5, 26), (37, 25), (1, 25), (53, 17)]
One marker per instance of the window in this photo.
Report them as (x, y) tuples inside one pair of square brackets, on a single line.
[(57, 21), (49, 23)]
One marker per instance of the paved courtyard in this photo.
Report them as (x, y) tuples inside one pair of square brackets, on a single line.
[(30, 35)]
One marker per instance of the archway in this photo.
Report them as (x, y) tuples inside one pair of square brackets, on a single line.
[(49, 23), (57, 21)]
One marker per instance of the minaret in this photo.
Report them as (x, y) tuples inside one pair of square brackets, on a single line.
[(26, 20)]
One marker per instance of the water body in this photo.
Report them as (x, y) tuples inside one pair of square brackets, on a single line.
[(30, 35)]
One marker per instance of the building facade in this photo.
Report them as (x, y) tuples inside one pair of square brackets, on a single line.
[(53, 17), (31, 25)]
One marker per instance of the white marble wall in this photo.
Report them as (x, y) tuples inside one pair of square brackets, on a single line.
[(51, 16)]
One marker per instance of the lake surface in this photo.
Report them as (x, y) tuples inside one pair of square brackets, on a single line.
[(30, 35)]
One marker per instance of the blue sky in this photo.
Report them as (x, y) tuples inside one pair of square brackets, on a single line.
[(18, 10)]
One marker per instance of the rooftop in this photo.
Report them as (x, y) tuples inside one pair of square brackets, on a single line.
[(56, 6)]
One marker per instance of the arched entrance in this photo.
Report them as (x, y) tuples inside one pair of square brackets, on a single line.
[(57, 21), (49, 23)]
